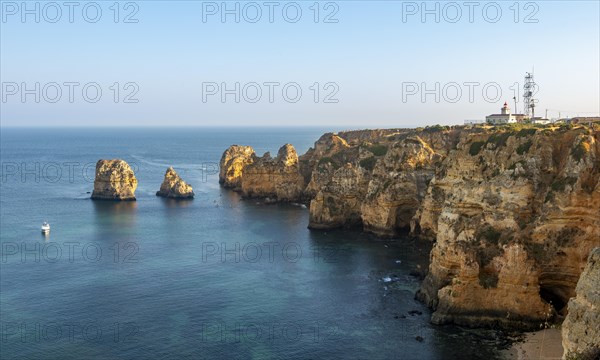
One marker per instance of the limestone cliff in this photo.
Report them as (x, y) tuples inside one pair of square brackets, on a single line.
[(114, 180), (513, 210), (374, 179), (370, 178), (232, 165), (514, 215), (581, 328), (277, 178), (174, 187), (339, 201)]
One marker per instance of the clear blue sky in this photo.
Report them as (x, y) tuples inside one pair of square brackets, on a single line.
[(370, 53)]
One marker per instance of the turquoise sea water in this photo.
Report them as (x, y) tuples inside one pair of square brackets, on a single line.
[(215, 277)]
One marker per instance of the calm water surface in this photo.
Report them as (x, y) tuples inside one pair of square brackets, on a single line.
[(215, 277)]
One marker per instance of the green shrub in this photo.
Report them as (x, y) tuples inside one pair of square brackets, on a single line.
[(328, 160), (490, 234), (560, 185), (578, 151), (488, 279), (476, 148), (325, 160), (436, 128), (524, 148), (378, 150), (536, 251), (368, 163), (526, 132), (499, 139), (566, 127)]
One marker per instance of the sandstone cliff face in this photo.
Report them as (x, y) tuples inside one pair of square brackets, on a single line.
[(514, 215), (581, 328), (398, 185), (277, 178), (114, 180), (374, 179), (370, 178), (174, 187), (513, 211), (232, 165), (338, 203)]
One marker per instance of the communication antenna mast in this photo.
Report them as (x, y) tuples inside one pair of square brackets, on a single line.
[(529, 89)]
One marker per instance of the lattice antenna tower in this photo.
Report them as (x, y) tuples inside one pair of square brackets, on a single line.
[(529, 90)]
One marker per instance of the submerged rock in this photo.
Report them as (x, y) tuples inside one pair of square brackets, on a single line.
[(174, 187), (114, 180), (581, 328)]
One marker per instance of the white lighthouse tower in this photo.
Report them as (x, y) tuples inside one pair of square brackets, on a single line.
[(505, 116), (505, 109)]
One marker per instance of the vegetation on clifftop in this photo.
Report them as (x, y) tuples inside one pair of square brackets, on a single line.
[(368, 163)]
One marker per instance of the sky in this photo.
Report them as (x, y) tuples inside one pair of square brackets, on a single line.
[(351, 64)]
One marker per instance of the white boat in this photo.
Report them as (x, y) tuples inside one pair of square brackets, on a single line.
[(45, 228)]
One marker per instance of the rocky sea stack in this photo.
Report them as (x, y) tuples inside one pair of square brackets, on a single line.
[(174, 187), (232, 164), (114, 180), (276, 179)]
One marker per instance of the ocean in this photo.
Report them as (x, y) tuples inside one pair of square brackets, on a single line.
[(213, 277)]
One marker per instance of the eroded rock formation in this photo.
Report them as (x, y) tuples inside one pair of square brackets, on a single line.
[(232, 165), (174, 187), (114, 180), (339, 201), (581, 328), (398, 185), (513, 211), (278, 178), (513, 214)]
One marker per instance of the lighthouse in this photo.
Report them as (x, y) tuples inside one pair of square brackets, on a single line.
[(505, 117), (505, 109)]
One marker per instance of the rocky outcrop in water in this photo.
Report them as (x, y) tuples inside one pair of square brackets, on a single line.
[(581, 328), (513, 210), (276, 178), (114, 180), (232, 165), (174, 187)]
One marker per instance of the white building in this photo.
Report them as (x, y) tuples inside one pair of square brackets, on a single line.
[(474, 122), (540, 121), (505, 117)]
